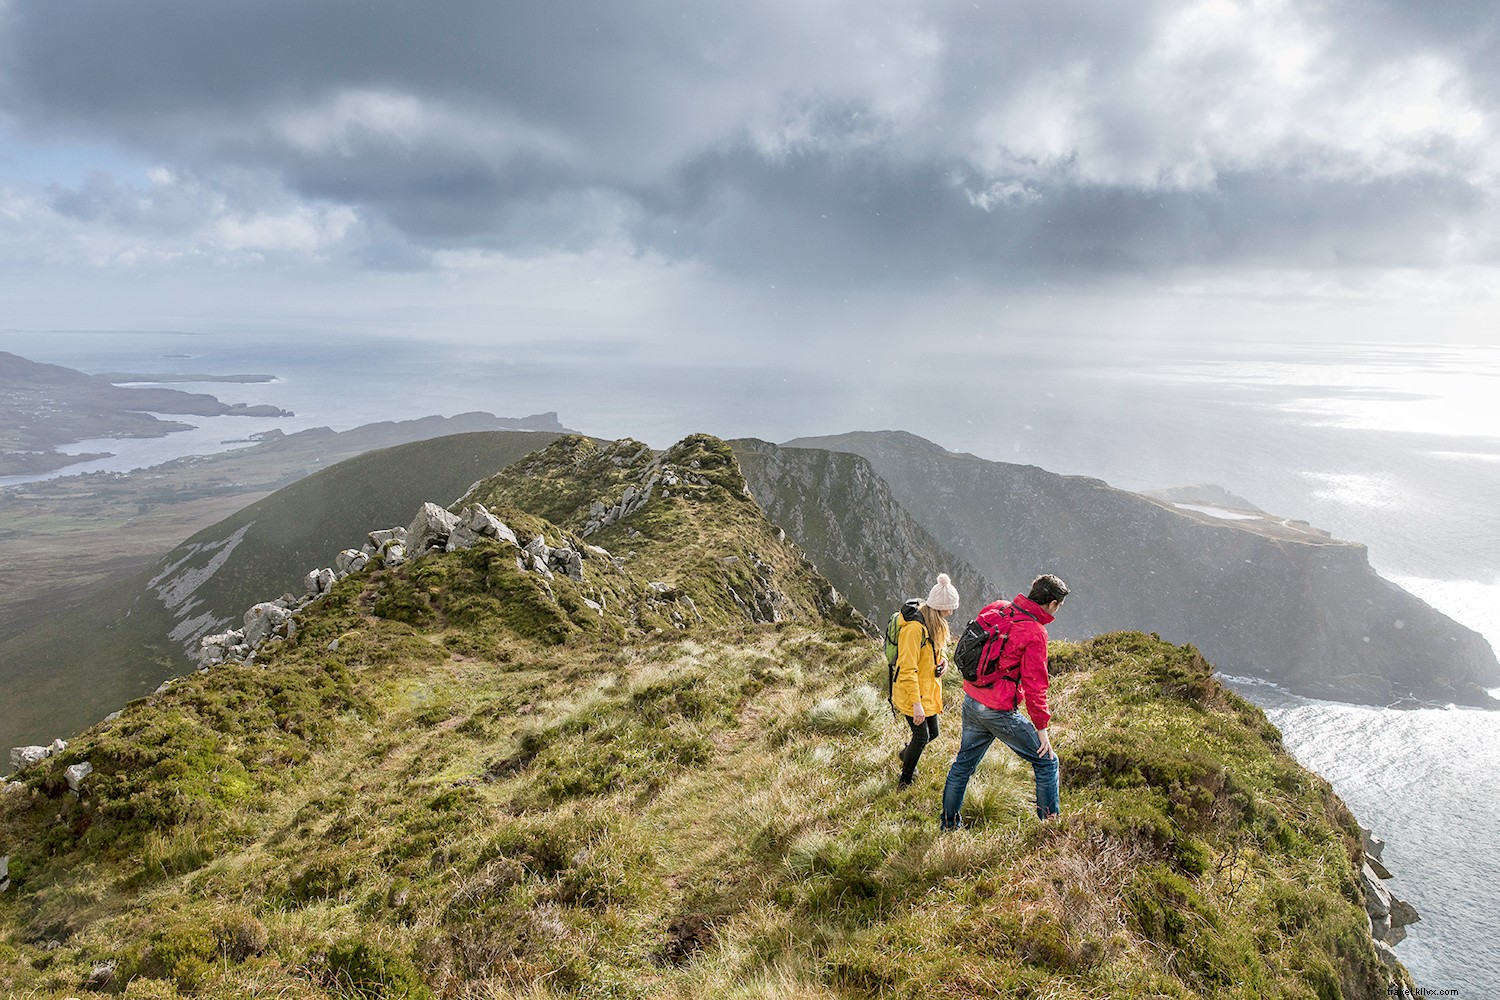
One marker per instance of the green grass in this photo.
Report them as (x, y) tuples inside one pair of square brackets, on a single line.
[(456, 782)]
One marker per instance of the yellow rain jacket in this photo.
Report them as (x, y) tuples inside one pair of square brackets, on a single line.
[(916, 672)]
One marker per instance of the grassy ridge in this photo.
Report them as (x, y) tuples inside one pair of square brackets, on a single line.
[(671, 818), (460, 779)]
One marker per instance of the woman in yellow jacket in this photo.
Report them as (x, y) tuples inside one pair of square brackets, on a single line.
[(921, 658)]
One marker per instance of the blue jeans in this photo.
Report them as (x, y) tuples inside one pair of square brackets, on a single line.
[(982, 726)]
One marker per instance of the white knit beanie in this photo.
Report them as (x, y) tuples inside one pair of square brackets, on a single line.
[(943, 597)]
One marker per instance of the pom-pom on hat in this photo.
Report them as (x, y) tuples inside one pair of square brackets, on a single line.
[(944, 596)]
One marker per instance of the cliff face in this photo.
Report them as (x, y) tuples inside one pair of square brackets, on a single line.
[(464, 773), (1261, 596), (843, 513)]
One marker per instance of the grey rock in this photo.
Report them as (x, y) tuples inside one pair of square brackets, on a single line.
[(58, 746), (567, 561), (102, 974), (538, 556), (431, 527), (462, 537), (1377, 897), (23, 757), (1403, 913), (77, 773), (349, 561), (262, 621), (4, 872), (1387, 955), (1377, 867), (481, 521), (317, 582), (382, 537), (393, 554)]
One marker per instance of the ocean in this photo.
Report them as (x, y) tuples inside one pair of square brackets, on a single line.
[(1391, 445)]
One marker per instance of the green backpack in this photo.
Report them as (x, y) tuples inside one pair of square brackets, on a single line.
[(910, 611)]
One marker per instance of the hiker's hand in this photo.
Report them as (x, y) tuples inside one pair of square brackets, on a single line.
[(917, 715), (940, 669), (1045, 749)]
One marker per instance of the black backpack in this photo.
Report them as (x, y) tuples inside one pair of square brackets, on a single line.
[(910, 611), (977, 655)]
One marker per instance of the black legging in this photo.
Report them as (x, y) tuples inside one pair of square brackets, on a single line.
[(921, 735)]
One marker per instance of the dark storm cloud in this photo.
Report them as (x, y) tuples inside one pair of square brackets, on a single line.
[(833, 143)]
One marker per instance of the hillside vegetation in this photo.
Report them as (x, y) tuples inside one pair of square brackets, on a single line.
[(76, 667), (463, 778)]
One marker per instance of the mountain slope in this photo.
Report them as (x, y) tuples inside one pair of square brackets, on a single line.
[(70, 671), (464, 777), (1263, 597), (839, 508)]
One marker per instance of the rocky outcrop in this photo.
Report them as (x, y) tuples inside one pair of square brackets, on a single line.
[(1389, 916), (433, 529)]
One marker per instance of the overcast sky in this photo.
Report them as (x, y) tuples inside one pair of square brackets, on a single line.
[(692, 176)]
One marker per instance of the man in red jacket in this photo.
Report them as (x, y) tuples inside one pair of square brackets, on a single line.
[(993, 711)]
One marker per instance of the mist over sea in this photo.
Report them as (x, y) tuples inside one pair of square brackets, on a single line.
[(1391, 446)]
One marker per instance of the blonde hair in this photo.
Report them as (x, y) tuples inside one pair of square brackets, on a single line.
[(937, 630)]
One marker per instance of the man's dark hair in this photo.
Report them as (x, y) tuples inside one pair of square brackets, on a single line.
[(1047, 588)]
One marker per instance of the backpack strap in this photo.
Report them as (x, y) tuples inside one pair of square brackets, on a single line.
[(915, 616), (908, 613)]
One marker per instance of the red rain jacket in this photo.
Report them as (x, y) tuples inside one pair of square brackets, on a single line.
[(1028, 648)]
